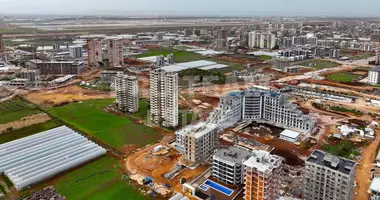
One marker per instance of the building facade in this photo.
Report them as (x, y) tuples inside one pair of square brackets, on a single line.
[(256, 105), (329, 177), (164, 97), (95, 52), (57, 67), (374, 76), (227, 164), (198, 141), (115, 52), (127, 93), (263, 173)]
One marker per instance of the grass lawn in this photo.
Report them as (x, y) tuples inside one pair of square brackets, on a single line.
[(343, 77), (362, 56), (142, 113), (89, 117), (179, 56), (28, 131), (342, 149), (15, 109), (97, 180), (318, 64), (264, 57)]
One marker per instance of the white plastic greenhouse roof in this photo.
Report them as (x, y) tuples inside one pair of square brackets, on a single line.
[(38, 157)]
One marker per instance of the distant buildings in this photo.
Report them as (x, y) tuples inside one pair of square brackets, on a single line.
[(1, 42), (227, 164), (263, 173), (115, 52), (127, 93), (375, 36), (377, 58), (57, 67), (262, 40), (109, 76), (255, 105), (197, 141), (164, 97), (329, 177), (95, 52), (76, 52), (374, 76)]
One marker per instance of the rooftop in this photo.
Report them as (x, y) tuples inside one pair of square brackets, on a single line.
[(263, 161), (376, 69), (290, 134), (342, 165), (198, 130), (375, 184), (233, 154)]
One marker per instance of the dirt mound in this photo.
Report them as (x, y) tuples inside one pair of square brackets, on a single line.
[(24, 122), (290, 158)]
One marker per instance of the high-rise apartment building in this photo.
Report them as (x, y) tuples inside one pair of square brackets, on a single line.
[(227, 164), (263, 173), (164, 97), (127, 93), (75, 52), (329, 177), (95, 52), (197, 141), (170, 58), (115, 52), (374, 76), (252, 39)]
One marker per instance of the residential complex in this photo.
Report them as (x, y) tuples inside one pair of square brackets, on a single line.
[(163, 94), (329, 177), (374, 76), (227, 164), (263, 173), (94, 48), (115, 52), (271, 107), (262, 40), (197, 141), (127, 93)]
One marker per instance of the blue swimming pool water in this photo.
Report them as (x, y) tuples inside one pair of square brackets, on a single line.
[(203, 187), (220, 188)]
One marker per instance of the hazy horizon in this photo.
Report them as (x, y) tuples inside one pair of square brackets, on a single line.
[(366, 8)]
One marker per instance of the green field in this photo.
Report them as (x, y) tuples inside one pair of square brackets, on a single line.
[(343, 77), (317, 64), (97, 180), (28, 131), (89, 117), (179, 56), (342, 148), (15, 109)]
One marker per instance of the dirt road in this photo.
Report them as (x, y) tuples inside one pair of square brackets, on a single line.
[(363, 169)]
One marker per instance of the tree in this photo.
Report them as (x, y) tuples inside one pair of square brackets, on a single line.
[(276, 47)]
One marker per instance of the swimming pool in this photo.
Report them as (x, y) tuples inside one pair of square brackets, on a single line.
[(218, 187), (203, 187)]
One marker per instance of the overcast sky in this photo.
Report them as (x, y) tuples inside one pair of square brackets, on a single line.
[(194, 7)]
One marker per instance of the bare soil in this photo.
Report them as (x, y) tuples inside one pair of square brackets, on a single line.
[(24, 122)]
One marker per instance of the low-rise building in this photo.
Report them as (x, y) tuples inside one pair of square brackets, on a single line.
[(290, 136), (227, 165), (57, 67)]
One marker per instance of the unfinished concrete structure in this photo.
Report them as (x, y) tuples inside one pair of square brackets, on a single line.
[(95, 54), (263, 173), (227, 164), (127, 93), (57, 67), (31, 75), (109, 76), (163, 94), (198, 141), (329, 177), (115, 52), (256, 105)]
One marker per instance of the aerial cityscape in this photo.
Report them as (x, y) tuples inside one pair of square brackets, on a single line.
[(163, 104)]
